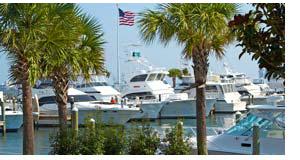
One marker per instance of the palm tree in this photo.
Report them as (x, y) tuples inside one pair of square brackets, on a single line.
[(174, 73), (21, 26), (72, 47), (202, 30), (185, 72)]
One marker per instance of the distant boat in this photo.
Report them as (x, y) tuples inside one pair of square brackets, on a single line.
[(226, 97), (88, 107), (256, 92), (157, 98), (98, 87)]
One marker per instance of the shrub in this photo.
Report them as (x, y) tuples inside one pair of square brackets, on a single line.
[(114, 140), (175, 142), (64, 143), (91, 140), (143, 141)]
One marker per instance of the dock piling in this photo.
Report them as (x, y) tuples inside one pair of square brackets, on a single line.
[(14, 103), (2, 122), (238, 115), (74, 118), (72, 102), (256, 141)]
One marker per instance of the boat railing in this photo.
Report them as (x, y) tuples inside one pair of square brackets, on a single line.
[(190, 131)]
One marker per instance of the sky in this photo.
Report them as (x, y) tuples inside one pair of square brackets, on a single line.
[(159, 55)]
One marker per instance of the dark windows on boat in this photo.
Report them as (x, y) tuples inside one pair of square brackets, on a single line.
[(77, 98), (139, 78), (92, 84), (244, 93), (141, 95), (151, 77), (160, 76), (82, 98), (211, 89), (47, 100)]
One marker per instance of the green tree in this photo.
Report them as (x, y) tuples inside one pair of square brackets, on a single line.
[(22, 26), (72, 47), (174, 73), (261, 33), (202, 29), (185, 72)]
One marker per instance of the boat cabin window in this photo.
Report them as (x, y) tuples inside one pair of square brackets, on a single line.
[(47, 100), (92, 84), (244, 93), (139, 78), (77, 98), (160, 77), (227, 88), (141, 95), (82, 98), (211, 89), (151, 77)]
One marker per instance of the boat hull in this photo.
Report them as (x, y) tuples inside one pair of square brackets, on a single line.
[(230, 145), (113, 117), (184, 108), (221, 106), (150, 110), (14, 121)]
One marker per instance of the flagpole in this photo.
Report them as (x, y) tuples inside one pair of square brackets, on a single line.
[(118, 58)]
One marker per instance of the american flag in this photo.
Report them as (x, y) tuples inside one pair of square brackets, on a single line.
[(126, 18)]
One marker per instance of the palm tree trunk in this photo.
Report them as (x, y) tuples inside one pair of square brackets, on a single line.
[(61, 92), (200, 60), (174, 81), (28, 130)]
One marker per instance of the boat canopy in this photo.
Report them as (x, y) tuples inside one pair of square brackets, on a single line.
[(269, 120)]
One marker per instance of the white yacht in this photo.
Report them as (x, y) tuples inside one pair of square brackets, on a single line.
[(238, 139), (256, 92), (98, 87), (88, 107), (157, 98), (226, 97)]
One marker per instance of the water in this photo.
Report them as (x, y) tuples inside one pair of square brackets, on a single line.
[(12, 143)]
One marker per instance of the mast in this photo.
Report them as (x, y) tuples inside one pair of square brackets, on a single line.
[(118, 58)]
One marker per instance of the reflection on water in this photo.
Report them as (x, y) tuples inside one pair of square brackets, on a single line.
[(12, 143)]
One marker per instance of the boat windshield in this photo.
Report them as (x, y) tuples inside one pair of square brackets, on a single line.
[(269, 127), (160, 77), (139, 78), (151, 77), (92, 84), (211, 89), (77, 98), (227, 88)]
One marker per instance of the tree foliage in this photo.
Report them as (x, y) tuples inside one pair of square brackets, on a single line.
[(185, 72), (174, 73), (261, 33)]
